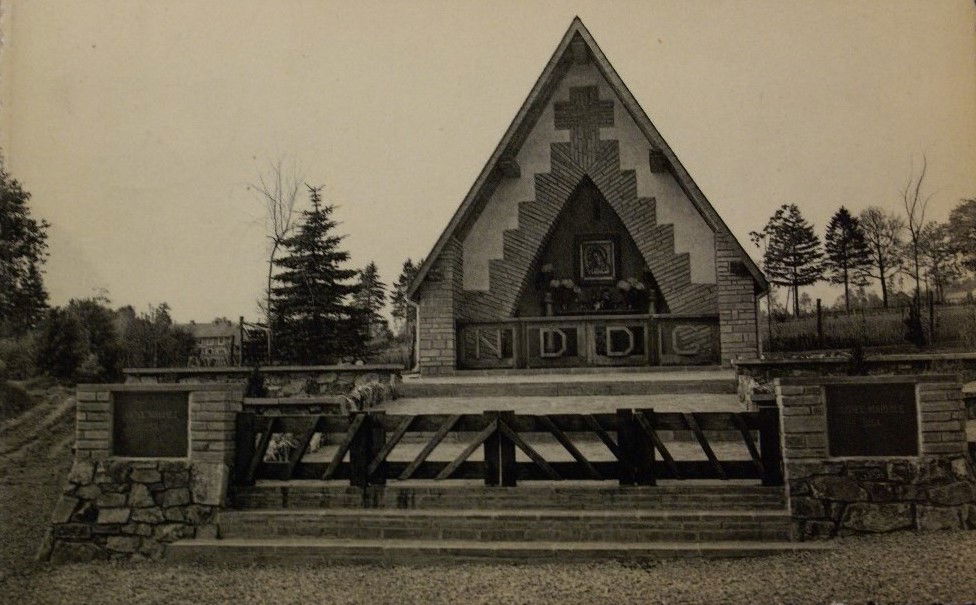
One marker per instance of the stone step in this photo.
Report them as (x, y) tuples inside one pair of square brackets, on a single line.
[(305, 551), (466, 495), (515, 387), (508, 525)]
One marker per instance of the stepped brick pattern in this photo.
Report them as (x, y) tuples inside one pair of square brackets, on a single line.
[(831, 496), (586, 155), (736, 304), (123, 508), (441, 296)]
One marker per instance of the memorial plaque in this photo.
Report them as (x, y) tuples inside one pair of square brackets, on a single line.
[(872, 419), (151, 424)]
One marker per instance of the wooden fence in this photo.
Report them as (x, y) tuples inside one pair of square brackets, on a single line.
[(640, 456)]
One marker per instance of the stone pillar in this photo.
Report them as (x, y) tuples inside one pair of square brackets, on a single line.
[(833, 495), (130, 507), (440, 297), (737, 304)]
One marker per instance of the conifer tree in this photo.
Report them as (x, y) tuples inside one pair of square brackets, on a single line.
[(369, 297), (403, 314), (847, 253), (793, 256), (23, 250), (316, 321)]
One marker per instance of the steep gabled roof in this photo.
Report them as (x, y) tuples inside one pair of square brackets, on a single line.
[(525, 119)]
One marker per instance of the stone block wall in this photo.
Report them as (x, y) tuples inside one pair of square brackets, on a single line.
[(736, 304), (832, 496), (130, 508), (279, 381), (440, 298), (757, 375)]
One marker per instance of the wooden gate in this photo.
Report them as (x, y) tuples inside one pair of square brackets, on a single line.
[(639, 456)]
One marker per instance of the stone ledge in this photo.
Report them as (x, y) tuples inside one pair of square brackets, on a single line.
[(880, 379)]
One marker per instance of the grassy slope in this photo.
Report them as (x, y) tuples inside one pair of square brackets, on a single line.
[(899, 568)]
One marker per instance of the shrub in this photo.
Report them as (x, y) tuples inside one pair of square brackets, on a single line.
[(17, 357), (370, 394), (14, 400)]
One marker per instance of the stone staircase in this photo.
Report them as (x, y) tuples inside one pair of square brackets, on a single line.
[(291, 523)]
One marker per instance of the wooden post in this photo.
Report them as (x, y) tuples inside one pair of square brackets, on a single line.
[(644, 451), (377, 439), (507, 469), (492, 451), (626, 443), (359, 453), (769, 445), (820, 330), (244, 447)]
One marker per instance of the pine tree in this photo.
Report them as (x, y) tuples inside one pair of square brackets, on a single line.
[(23, 250), (847, 253), (369, 298), (403, 314), (793, 253), (316, 322)]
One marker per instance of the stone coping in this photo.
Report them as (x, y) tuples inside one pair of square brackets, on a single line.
[(167, 386), (891, 358), (885, 379), (309, 400), (373, 367)]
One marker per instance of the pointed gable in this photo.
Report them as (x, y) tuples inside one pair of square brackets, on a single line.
[(578, 98)]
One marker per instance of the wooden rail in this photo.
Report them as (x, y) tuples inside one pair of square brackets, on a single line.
[(640, 455)]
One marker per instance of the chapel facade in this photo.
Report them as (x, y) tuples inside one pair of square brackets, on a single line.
[(584, 242)]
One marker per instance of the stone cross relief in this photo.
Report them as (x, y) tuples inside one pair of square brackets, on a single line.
[(584, 114)]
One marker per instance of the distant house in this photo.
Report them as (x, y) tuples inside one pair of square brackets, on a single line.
[(215, 343)]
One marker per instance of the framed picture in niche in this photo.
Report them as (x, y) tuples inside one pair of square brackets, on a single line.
[(597, 259)]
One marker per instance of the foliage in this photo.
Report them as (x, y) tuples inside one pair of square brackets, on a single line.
[(369, 298), (18, 358), (370, 394), (955, 329), (314, 321), (278, 191), (915, 205), (940, 259), (962, 231), (914, 331), (404, 315), (23, 250), (846, 252), (793, 256), (151, 340), (62, 344), (105, 352), (882, 233), (14, 399)]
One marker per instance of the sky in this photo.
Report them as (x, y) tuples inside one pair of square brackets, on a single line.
[(137, 126)]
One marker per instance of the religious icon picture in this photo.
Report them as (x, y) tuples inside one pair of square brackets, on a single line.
[(598, 260)]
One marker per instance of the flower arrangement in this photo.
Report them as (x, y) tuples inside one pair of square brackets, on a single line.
[(632, 283), (634, 293)]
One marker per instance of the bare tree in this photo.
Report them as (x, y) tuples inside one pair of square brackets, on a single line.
[(278, 190), (915, 205), (883, 232)]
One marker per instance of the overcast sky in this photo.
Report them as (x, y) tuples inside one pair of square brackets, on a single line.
[(137, 126)]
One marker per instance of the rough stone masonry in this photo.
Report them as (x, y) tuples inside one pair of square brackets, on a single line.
[(127, 508), (831, 495)]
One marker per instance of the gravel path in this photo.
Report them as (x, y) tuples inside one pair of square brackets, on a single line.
[(902, 568)]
